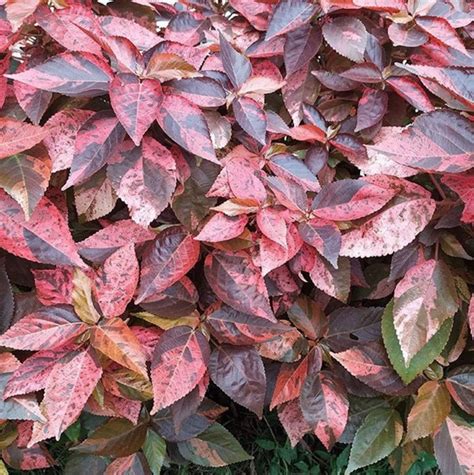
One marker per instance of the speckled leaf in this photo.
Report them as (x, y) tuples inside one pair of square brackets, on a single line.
[(238, 282), (60, 144), (293, 422), (324, 236), (289, 15), (230, 326), (43, 329), (377, 437), (463, 185), (301, 46), (390, 230), (332, 281), (184, 122), (95, 142), (115, 340), (134, 103), (250, 115), (345, 200), (423, 358), (239, 372), (222, 228), (32, 375), (68, 388), (292, 376), (346, 35), (453, 447), (116, 281), (424, 299), (371, 108), (16, 136), (44, 238), (144, 177), (237, 67), (72, 74), (325, 406), (178, 364), (105, 242), (440, 29), (439, 141), (370, 364), (169, 258)]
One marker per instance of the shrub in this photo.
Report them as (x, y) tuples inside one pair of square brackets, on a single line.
[(256, 201)]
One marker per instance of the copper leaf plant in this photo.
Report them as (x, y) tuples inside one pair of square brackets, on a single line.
[(266, 205)]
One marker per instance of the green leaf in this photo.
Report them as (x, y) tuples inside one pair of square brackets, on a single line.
[(154, 449), (215, 447), (377, 437), (423, 358)]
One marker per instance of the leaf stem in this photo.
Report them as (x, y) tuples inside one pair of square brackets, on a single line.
[(437, 186)]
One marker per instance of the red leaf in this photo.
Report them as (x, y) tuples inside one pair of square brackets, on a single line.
[(16, 136), (222, 228), (251, 117), (33, 101), (365, 72), (60, 26), (272, 224), (230, 326), (390, 230), (463, 185), (141, 37), (144, 177), (45, 237), (178, 364), (288, 166), (105, 242), (371, 109), (439, 141), (289, 15), (95, 143), (370, 364), (440, 29), (239, 372), (301, 46), (346, 35), (134, 103), (324, 236), (184, 122), (346, 200), (44, 329), (116, 281), (325, 406), (71, 74), (60, 144), (171, 256), (412, 92), (68, 388), (204, 92), (236, 65), (333, 281), (238, 282), (293, 422), (33, 374), (291, 377), (455, 80)]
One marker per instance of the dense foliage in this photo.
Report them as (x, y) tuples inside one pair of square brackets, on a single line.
[(260, 204)]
